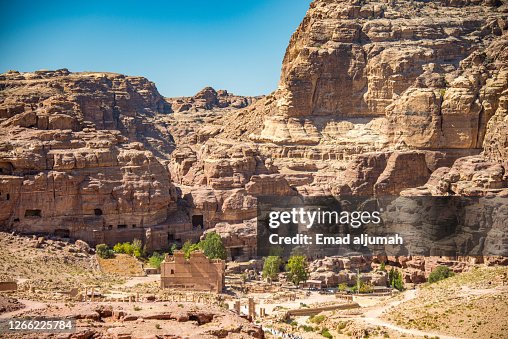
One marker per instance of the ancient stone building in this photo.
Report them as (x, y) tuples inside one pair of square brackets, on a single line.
[(196, 273)]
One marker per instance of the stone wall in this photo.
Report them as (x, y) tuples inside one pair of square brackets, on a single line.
[(197, 273)]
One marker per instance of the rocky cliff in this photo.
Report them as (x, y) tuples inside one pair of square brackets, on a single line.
[(375, 98), (81, 156)]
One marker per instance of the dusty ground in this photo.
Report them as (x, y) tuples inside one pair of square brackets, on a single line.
[(49, 266), (137, 320), (123, 265), (469, 305)]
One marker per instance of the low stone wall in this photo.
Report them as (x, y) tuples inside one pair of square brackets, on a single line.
[(315, 310), (7, 286)]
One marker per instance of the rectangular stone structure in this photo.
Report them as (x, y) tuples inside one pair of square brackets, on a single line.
[(198, 273)]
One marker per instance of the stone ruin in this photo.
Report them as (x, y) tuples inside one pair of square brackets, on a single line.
[(197, 273)]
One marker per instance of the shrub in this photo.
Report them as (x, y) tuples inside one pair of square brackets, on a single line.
[(125, 247), (364, 288), (189, 247), (156, 259), (382, 267), (104, 252), (342, 287), (317, 319), (271, 267), (118, 248), (440, 273), (213, 247), (307, 328), (137, 248), (325, 333)]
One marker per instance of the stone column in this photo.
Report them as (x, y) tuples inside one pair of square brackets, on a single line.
[(236, 306), (251, 308), (93, 294), (86, 294), (137, 296)]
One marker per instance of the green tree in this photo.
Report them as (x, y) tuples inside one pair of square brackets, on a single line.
[(189, 247), (440, 273), (271, 267), (297, 269), (104, 252), (137, 248), (212, 246), (156, 259), (382, 267), (395, 279)]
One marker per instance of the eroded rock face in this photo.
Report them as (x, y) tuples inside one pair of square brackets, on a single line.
[(78, 156), (432, 71), (208, 99), (469, 176)]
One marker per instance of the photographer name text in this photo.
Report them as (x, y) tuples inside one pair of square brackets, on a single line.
[(321, 239)]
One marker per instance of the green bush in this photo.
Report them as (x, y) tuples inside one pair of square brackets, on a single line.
[(325, 333), (364, 288), (104, 252), (189, 247), (125, 247), (307, 328), (156, 259), (212, 246), (118, 248), (271, 267), (342, 287), (317, 319), (440, 273)]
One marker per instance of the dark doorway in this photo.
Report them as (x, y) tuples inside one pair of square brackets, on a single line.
[(236, 252), (171, 237), (197, 221), (33, 213), (97, 212), (62, 233)]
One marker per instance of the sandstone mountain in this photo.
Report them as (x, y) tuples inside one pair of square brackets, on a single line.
[(375, 98)]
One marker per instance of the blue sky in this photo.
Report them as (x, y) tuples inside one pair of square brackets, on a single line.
[(182, 46)]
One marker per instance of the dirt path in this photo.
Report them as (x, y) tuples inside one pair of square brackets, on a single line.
[(372, 317), (29, 306)]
